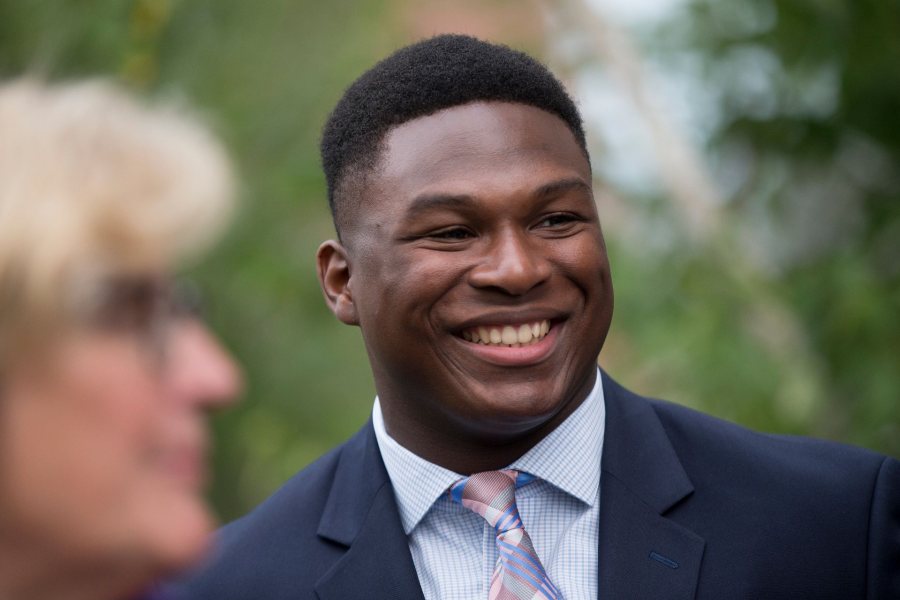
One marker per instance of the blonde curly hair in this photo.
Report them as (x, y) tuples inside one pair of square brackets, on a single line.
[(95, 183)]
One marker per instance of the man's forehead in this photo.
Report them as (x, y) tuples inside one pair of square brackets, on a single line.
[(465, 119), (469, 135)]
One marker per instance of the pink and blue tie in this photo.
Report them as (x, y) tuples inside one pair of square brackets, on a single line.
[(519, 574)]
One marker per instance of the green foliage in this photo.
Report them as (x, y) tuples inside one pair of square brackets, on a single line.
[(785, 319)]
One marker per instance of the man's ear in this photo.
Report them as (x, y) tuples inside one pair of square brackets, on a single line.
[(333, 268)]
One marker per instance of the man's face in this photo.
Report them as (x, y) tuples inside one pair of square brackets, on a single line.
[(476, 269)]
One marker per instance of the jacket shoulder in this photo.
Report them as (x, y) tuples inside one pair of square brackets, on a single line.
[(778, 512), (726, 449), (798, 505)]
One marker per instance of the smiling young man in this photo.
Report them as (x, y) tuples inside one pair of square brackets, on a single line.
[(477, 273), (470, 255)]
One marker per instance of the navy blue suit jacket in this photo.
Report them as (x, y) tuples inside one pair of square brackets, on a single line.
[(690, 507)]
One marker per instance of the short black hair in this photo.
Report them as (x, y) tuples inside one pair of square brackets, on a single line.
[(421, 79)]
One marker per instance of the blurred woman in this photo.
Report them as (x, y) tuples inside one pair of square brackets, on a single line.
[(105, 376)]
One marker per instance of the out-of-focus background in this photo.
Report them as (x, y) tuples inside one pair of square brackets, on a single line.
[(747, 157)]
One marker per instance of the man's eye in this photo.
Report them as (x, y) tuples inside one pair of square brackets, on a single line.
[(452, 234), (556, 220)]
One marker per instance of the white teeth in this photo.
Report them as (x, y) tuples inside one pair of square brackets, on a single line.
[(508, 335), (525, 334)]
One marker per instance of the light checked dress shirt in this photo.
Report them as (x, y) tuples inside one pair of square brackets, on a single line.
[(454, 549)]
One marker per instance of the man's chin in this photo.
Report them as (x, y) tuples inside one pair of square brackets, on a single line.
[(510, 411), (517, 402)]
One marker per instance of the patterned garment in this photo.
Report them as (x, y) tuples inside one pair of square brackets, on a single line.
[(519, 574), (454, 550)]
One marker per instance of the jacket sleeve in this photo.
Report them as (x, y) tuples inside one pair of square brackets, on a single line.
[(884, 534)]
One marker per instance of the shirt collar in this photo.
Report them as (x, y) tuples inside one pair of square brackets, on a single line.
[(568, 457)]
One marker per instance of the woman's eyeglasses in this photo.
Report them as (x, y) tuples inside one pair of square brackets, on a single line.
[(146, 306)]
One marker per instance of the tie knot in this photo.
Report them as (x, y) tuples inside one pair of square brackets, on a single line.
[(492, 495), (519, 574)]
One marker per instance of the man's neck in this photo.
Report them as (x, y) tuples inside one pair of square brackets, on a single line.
[(467, 452)]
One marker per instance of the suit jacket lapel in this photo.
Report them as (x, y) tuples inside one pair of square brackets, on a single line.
[(643, 554), (361, 513)]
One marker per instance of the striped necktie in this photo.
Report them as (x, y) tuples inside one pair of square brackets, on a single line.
[(519, 574)]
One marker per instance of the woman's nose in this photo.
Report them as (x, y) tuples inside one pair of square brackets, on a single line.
[(199, 370)]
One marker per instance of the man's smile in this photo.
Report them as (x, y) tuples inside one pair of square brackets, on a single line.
[(512, 345), (513, 336)]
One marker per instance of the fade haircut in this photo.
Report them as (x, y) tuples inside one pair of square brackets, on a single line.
[(419, 80)]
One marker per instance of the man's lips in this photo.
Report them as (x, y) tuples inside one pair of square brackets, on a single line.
[(515, 353), (514, 335)]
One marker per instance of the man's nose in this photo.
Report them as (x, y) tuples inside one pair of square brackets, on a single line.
[(199, 370), (513, 263)]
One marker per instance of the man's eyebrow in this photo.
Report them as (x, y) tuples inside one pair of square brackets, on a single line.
[(427, 202), (560, 186)]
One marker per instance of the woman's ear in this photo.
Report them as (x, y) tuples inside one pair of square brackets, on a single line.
[(333, 268)]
